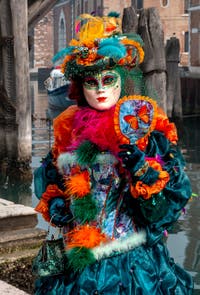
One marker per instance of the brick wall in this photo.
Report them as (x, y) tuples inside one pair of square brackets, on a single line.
[(194, 3), (115, 5), (43, 45)]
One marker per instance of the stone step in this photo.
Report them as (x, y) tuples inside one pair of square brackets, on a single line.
[(16, 216), (17, 250), (7, 289), (21, 239)]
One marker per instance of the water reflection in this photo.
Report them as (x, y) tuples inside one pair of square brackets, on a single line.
[(189, 139), (15, 179), (183, 242)]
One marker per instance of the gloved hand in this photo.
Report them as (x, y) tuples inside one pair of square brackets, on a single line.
[(60, 215), (133, 159)]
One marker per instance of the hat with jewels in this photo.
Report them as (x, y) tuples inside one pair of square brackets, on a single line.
[(100, 45)]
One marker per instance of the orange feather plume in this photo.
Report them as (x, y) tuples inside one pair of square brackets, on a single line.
[(85, 236), (78, 185), (62, 126)]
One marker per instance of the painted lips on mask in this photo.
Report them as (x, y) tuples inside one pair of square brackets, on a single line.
[(101, 99)]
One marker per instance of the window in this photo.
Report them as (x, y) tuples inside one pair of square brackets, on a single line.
[(62, 32), (94, 12), (164, 3), (139, 4), (100, 8), (186, 6), (78, 9), (186, 42), (86, 7)]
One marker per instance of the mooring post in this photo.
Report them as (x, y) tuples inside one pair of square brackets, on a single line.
[(174, 100), (154, 65), (19, 10)]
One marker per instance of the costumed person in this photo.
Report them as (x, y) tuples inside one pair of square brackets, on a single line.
[(114, 179)]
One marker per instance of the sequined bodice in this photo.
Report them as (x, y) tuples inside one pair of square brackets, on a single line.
[(108, 192)]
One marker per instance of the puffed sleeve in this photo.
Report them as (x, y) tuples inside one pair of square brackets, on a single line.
[(46, 174), (161, 210)]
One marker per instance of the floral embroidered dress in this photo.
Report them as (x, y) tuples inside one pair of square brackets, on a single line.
[(114, 240)]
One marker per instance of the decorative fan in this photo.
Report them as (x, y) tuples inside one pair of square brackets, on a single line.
[(134, 118)]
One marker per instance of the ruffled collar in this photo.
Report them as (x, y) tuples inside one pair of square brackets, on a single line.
[(75, 125), (95, 126)]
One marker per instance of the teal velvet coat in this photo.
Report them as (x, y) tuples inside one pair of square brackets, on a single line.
[(141, 269)]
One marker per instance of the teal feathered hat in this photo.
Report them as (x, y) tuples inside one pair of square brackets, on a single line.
[(100, 45)]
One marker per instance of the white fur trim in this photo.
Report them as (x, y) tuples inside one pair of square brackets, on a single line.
[(64, 159), (70, 159), (119, 246)]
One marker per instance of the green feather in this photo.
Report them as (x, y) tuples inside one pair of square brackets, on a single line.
[(85, 209), (113, 14), (79, 258), (87, 152)]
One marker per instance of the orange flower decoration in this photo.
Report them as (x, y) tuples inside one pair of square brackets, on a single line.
[(165, 126), (146, 191), (141, 189), (92, 56), (65, 62)]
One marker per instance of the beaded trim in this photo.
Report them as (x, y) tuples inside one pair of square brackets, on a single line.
[(142, 170)]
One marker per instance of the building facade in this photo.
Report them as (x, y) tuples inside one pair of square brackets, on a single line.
[(194, 26), (60, 27), (65, 14), (175, 21), (174, 18)]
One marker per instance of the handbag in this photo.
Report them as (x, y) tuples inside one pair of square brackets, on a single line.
[(51, 258)]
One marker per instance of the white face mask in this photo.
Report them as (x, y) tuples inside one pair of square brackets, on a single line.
[(102, 90)]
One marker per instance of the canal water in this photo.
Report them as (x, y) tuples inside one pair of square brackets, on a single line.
[(184, 240)]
